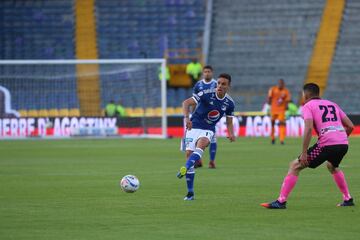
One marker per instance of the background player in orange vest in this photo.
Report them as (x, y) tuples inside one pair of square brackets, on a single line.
[(279, 96)]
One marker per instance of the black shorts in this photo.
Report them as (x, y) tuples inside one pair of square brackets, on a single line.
[(318, 155)]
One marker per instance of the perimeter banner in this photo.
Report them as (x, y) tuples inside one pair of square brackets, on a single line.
[(64, 127), (57, 127), (256, 126)]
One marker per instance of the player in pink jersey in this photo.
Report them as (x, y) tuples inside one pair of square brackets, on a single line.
[(333, 128)]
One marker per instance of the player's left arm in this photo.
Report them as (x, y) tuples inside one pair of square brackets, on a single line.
[(306, 141), (229, 122), (288, 98), (270, 95), (348, 124), (345, 121), (230, 128)]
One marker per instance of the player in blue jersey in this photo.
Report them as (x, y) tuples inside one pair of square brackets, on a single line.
[(208, 82), (210, 107)]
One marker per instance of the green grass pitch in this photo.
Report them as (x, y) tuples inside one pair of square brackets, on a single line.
[(69, 189)]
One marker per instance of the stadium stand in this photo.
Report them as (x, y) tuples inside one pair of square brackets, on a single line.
[(258, 42), (138, 29), (146, 29), (36, 88), (45, 30), (262, 41), (38, 30), (344, 80)]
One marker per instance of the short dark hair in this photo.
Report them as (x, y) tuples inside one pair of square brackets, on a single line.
[(312, 88), (208, 67), (226, 76)]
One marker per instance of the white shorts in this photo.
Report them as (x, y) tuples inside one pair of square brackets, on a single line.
[(193, 135)]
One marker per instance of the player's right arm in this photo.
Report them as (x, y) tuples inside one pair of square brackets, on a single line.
[(270, 96), (306, 141), (196, 88), (308, 128), (190, 102)]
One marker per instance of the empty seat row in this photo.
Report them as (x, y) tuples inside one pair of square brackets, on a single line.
[(259, 42), (75, 112), (63, 112)]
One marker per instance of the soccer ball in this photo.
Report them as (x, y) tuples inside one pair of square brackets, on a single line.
[(129, 184)]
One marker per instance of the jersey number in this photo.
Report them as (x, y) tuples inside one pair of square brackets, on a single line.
[(326, 110)]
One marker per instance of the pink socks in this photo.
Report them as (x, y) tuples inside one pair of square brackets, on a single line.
[(287, 186), (340, 181), (290, 182)]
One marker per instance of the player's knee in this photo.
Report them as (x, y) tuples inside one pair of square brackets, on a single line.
[(330, 167), (295, 166), (203, 143), (292, 164), (199, 152)]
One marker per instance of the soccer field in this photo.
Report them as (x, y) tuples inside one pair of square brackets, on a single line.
[(69, 189)]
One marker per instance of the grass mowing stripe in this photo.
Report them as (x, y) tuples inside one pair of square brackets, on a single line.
[(69, 189)]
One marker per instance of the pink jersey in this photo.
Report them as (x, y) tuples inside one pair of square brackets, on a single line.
[(326, 117)]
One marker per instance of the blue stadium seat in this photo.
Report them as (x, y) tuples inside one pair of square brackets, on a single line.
[(124, 28)]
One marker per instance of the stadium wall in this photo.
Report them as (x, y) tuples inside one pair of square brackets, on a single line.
[(65, 127)]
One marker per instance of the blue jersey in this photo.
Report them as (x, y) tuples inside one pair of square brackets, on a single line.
[(210, 109), (202, 85)]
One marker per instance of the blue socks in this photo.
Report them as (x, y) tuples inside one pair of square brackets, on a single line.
[(190, 181), (190, 175), (195, 156), (212, 150)]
